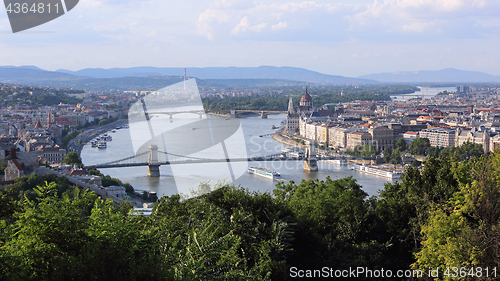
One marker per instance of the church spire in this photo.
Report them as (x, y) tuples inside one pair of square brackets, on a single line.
[(49, 119), (290, 105)]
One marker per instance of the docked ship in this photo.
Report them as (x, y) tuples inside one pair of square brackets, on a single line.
[(341, 162), (102, 144), (292, 152), (378, 171), (263, 172), (94, 143)]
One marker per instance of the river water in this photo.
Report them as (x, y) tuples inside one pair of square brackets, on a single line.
[(175, 178), (426, 92)]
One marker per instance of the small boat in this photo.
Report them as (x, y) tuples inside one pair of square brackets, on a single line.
[(227, 118), (113, 131), (93, 143), (102, 144), (193, 128), (292, 152), (263, 172)]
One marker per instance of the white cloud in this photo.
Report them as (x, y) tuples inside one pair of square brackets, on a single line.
[(243, 16), (419, 16), (241, 27), (244, 26), (207, 20), (258, 27), (279, 26)]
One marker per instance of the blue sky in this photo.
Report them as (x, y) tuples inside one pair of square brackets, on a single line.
[(349, 38)]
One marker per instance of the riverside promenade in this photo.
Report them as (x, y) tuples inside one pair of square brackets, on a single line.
[(76, 146), (280, 137)]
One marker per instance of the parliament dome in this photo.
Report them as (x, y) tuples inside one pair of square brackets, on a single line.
[(306, 98)]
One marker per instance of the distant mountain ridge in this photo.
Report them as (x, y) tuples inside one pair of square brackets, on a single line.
[(261, 72), (243, 76), (446, 75), (21, 74)]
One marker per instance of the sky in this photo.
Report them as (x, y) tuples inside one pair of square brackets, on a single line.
[(347, 37)]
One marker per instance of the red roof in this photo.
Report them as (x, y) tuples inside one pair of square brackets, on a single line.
[(17, 164), (63, 121)]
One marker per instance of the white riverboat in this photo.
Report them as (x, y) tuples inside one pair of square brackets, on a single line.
[(263, 172), (341, 162), (102, 144), (381, 171), (292, 152)]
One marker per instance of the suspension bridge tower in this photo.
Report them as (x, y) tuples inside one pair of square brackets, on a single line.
[(310, 162), (153, 165)]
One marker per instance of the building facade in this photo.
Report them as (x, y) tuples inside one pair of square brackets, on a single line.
[(439, 137)]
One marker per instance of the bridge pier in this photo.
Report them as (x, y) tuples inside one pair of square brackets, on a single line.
[(153, 165), (233, 113), (263, 115), (310, 162)]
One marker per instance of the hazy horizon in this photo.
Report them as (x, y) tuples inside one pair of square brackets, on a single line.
[(347, 38)]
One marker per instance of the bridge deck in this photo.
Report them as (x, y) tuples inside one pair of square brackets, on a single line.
[(198, 161)]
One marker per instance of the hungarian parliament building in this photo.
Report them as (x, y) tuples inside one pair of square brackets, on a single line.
[(342, 128)]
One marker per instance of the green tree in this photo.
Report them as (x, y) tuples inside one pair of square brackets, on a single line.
[(401, 145), (419, 146), (396, 156), (387, 154), (464, 231), (72, 159)]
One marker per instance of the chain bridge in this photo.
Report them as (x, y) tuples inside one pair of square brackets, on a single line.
[(153, 161)]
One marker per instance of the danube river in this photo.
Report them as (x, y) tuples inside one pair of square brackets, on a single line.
[(426, 92), (188, 176)]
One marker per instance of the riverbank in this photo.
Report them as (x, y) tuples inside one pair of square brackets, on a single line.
[(76, 146), (280, 137)]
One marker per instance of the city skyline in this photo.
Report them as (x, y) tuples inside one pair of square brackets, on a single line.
[(348, 38)]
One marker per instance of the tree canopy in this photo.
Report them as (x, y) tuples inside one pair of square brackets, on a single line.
[(444, 215)]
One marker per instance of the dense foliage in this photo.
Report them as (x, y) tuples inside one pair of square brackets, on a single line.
[(72, 159), (444, 215), (107, 121), (320, 94), (12, 95), (67, 138), (422, 146), (363, 150)]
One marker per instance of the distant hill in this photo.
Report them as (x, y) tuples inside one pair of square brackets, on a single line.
[(251, 82), (261, 72), (25, 74), (439, 76)]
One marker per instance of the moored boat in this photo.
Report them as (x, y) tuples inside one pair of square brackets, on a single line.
[(378, 171), (102, 144), (341, 162), (263, 172)]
